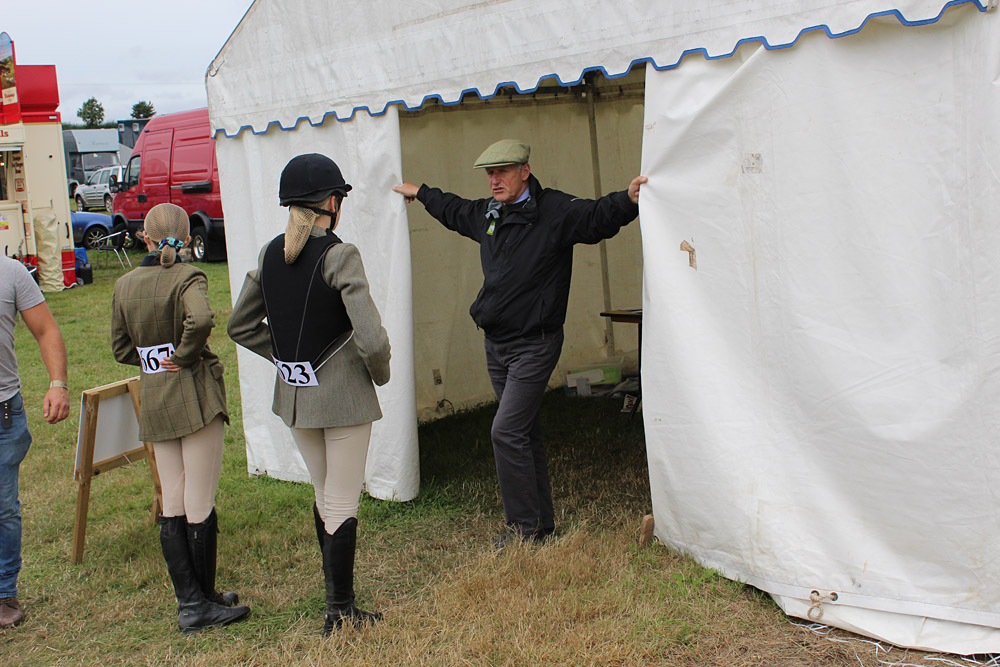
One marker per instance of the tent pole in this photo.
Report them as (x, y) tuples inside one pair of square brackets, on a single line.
[(590, 90)]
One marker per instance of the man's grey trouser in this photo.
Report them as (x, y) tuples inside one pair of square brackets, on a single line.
[(520, 370)]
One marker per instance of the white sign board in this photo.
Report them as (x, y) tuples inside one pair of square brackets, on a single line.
[(117, 430)]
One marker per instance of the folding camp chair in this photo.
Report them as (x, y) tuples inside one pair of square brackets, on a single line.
[(113, 243)]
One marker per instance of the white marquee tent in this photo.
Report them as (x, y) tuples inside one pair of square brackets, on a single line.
[(819, 386)]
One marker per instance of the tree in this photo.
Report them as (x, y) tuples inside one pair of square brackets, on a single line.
[(92, 113), (143, 109)]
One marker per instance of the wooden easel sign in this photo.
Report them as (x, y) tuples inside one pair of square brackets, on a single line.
[(108, 439)]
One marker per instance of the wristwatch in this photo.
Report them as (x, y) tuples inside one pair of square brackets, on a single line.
[(58, 383)]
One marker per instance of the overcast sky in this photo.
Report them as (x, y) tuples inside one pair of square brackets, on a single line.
[(123, 52)]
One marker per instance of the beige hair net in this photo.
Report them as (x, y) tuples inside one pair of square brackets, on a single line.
[(168, 225), (300, 223)]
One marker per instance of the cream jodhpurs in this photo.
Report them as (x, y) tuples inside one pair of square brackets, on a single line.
[(335, 458), (189, 470)]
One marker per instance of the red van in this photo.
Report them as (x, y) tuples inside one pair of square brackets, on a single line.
[(174, 161)]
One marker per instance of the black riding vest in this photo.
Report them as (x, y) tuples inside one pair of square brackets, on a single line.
[(304, 314)]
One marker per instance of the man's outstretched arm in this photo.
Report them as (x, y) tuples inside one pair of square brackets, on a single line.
[(464, 216)]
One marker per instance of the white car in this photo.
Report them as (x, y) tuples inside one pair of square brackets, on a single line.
[(95, 193)]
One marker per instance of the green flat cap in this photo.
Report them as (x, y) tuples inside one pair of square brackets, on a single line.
[(505, 151)]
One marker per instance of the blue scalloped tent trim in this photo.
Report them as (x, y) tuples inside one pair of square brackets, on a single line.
[(981, 6)]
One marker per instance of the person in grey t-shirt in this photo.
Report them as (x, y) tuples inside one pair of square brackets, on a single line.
[(20, 294)]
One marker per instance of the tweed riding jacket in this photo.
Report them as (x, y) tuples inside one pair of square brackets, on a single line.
[(344, 395), (154, 306)]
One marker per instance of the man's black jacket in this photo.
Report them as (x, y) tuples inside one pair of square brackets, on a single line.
[(527, 253)]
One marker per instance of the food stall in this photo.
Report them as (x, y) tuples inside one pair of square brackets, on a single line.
[(34, 211)]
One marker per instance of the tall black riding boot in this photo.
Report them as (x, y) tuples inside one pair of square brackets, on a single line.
[(338, 568), (203, 544), (320, 527), (193, 610)]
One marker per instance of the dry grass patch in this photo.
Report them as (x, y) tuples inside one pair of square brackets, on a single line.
[(590, 598)]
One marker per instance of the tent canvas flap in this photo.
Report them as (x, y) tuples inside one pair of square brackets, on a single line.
[(367, 151), (820, 397)]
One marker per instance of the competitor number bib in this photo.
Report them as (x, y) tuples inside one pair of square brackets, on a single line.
[(296, 373), (151, 358)]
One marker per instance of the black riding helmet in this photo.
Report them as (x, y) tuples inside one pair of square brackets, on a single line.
[(310, 178)]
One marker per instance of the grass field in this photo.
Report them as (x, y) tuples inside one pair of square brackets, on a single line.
[(591, 598)]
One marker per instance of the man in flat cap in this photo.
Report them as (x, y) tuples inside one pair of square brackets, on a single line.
[(526, 235)]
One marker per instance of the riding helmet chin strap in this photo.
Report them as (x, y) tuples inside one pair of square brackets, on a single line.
[(322, 211)]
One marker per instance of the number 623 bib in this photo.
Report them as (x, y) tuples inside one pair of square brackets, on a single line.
[(296, 373)]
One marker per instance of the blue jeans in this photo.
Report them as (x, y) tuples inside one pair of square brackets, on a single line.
[(14, 443)]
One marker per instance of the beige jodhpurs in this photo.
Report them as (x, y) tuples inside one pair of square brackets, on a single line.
[(335, 458), (189, 471)]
